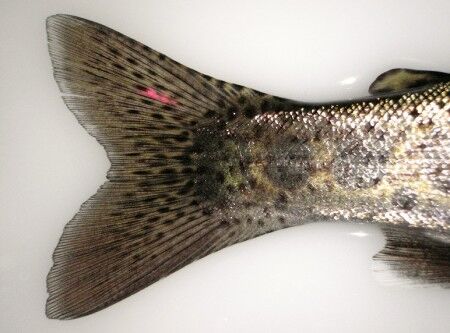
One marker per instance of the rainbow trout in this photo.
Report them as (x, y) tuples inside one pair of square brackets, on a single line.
[(198, 164)]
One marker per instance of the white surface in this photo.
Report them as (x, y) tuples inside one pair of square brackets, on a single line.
[(315, 278)]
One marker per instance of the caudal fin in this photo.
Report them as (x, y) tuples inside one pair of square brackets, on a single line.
[(147, 220), (417, 256)]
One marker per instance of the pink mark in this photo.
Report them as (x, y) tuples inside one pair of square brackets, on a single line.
[(153, 94)]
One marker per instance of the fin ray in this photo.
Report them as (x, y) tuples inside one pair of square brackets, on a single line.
[(416, 255)]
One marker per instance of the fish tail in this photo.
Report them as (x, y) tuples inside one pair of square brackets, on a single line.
[(148, 219)]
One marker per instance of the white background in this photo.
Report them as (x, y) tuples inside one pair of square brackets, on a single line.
[(315, 278)]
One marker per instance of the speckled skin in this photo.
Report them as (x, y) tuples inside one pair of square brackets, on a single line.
[(382, 160), (199, 164)]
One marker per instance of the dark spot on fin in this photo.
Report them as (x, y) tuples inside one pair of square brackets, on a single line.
[(418, 256), (400, 79)]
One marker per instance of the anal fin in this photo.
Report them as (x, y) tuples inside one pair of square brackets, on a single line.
[(416, 256)]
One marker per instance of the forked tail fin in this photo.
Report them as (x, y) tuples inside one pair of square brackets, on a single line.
[(146, 221)]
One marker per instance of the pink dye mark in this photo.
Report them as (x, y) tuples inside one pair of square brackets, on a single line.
[(153, 94)]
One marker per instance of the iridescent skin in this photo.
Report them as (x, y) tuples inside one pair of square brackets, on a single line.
[(382, 160)]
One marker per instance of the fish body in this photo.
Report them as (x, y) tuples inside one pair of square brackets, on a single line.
[(383, 160), (198, 164)]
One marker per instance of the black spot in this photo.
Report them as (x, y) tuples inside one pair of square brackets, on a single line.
[(141, 172), (260, 223), (183, 137), (232, 113), (133, 111), (114, 51), (187, 170), (132, 61), (153, 219), (221, 104), (171, 181), (281, 201), (404, 199), (210, 114), (170, 127), (329, 185), (139, 215), (163, 209), (161, 156), (266, 211), (186, 188), (201, 169), (281, 219), (180, 214), (138, 75), (231, 188), (168, 171), (149, 199), (238, 87), (248, 204), (170, 200), (169, 222), (224, 224), (206, 85), (116, 214), (191, 218), (242, 100), (119, 66), (161, 57), (220, 177), (207, 211), (310, 188), (146, 101), (252, 182), (250, 111), (265, 105), (414, 113), (184, 159), (236, 221), (139, 144), (157, 116)]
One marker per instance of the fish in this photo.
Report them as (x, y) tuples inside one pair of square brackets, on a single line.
[(199, 164)]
